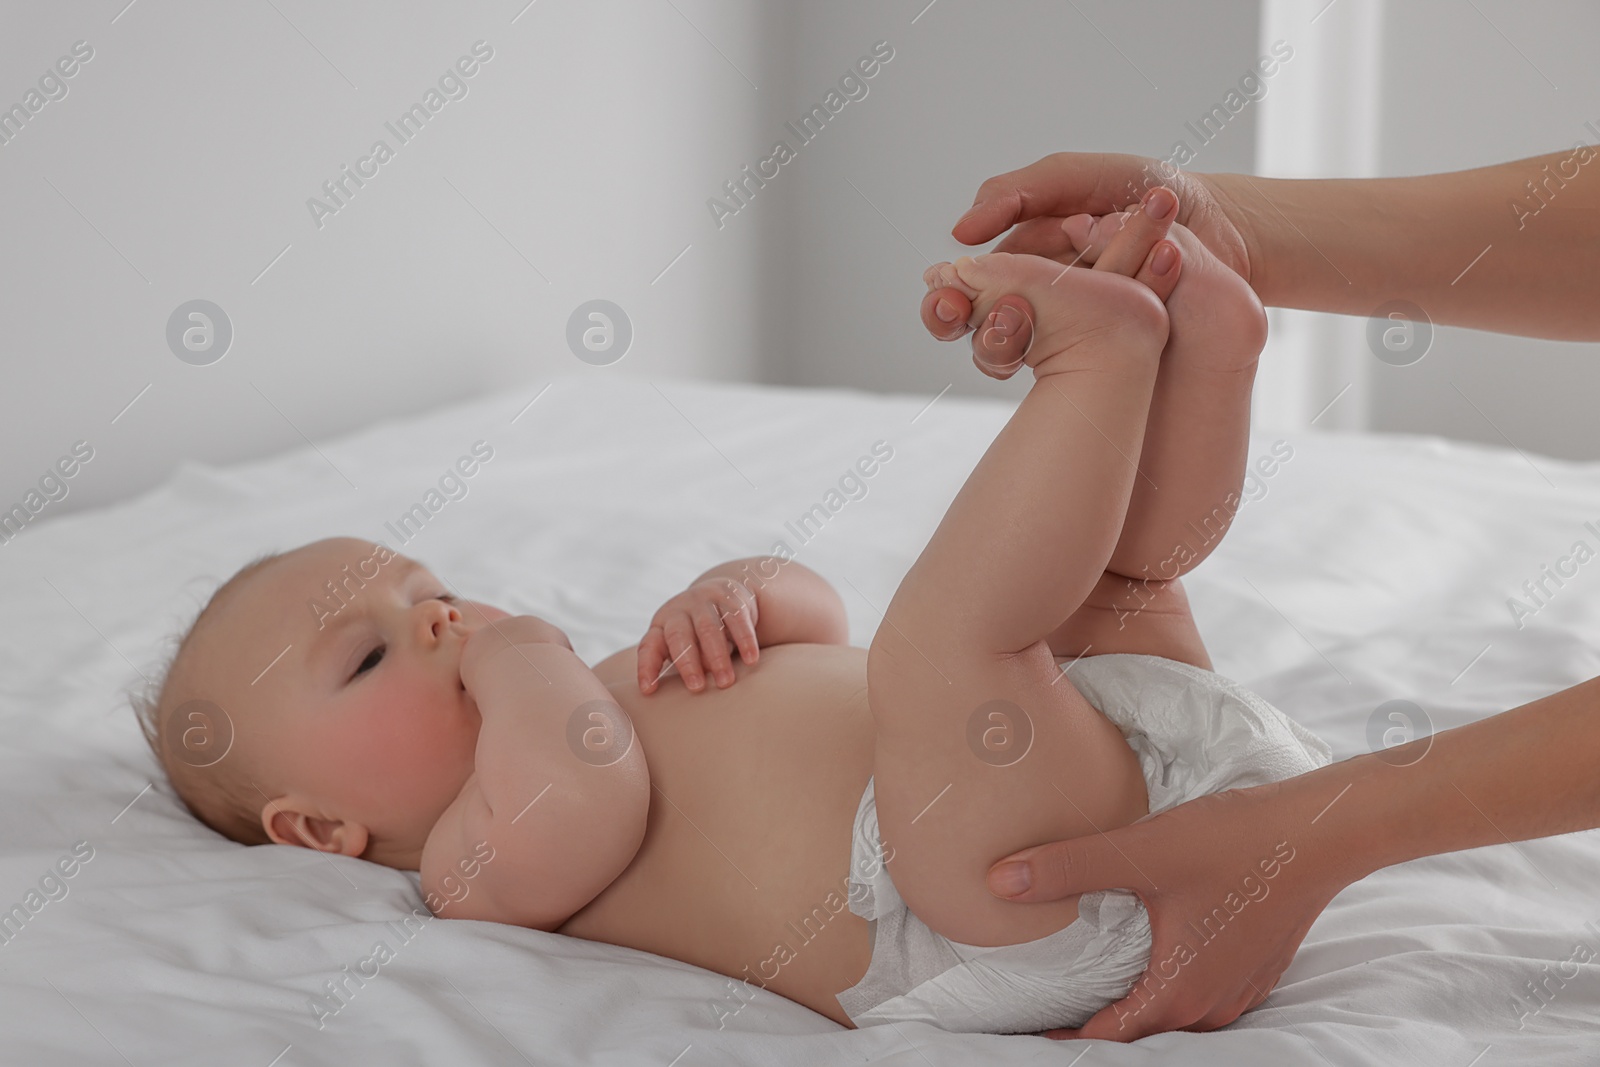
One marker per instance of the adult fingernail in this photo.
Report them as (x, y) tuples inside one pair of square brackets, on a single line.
[(971, 211), (1160, 204), (1164, 260), (1010, 879), (945, 310)]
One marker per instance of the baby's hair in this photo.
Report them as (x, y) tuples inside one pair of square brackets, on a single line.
[(222, 795)]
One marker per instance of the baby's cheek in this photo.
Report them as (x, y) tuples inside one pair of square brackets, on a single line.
[(414, 731)]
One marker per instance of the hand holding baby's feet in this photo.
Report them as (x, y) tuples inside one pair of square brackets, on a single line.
[(1216, 317), (1136, 249), (1029, 308)]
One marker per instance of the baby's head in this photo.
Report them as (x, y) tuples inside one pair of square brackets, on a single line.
[(343, 723)]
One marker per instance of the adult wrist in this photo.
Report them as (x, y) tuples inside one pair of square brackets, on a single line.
[(1353, 816), (1240, 201)]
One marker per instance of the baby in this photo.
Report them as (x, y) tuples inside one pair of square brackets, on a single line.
[(818, 820)]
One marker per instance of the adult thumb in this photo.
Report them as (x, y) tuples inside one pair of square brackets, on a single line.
[(1067, 868)]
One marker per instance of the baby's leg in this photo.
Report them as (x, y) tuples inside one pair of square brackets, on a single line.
[(1196, 441), (983, 747)]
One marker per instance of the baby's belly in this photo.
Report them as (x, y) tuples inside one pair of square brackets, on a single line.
[(747, 849)]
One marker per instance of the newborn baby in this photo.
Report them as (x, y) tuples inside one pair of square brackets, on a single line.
[(817, 820)]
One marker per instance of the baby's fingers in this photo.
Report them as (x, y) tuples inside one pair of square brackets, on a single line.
[(652, 654), (742, 627), (685, 655), (714, 644)]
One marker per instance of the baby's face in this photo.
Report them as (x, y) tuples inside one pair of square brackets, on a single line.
[(363, 727)]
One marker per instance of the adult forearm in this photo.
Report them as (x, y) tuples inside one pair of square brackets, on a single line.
[(1513, 248), (1529, 772)]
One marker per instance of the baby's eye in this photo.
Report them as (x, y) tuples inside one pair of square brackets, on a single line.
[(448, 598), (370, 662)]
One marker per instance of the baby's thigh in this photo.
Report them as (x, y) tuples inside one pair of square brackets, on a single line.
[(978, 756)]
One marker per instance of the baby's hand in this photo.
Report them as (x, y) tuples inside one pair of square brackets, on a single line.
[(503, 633), (698, 628)]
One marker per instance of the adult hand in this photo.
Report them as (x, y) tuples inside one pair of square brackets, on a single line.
[(1040, 199), (1231, 881)]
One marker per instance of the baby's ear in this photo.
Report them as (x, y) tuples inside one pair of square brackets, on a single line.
[(287, 824)]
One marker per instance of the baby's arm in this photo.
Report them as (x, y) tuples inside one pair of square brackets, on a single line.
[(560, 794)]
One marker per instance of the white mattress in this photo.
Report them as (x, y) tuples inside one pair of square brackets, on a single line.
[(1380, 568)]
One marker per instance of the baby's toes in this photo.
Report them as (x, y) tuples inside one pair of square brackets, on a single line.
[(944, 276), (1067, 304), (1127, 251), (1089, 234)]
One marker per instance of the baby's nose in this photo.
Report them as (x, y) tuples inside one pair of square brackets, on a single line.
[(439, 617)]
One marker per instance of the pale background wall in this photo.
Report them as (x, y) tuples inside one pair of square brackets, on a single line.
[(579, 165), (1396, 87), (1464, 88)]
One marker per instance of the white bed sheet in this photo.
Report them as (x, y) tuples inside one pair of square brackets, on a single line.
[(1374, 568)]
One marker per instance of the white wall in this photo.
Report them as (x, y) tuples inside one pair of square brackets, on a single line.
[(974, 90), (192, 140), (180, 162), (1465, 88), (1398, 87)]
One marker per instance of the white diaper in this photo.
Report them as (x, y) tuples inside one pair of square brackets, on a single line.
[(1195, 732)]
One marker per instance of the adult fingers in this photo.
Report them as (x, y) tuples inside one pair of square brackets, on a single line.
[(1139, 233), (1039, 237), (1130, 1019), (1079, 865), (1161, 269), (1065, 183)]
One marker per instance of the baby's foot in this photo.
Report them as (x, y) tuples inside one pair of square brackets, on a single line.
[(1135, 248), (1217, 320), (1059, 308)]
